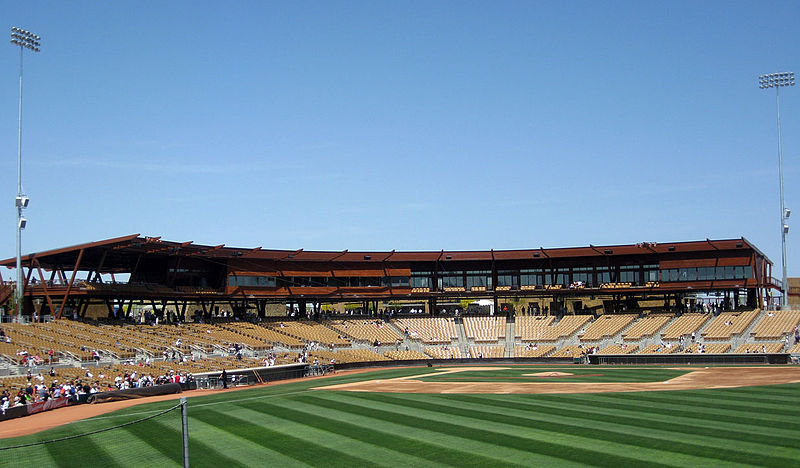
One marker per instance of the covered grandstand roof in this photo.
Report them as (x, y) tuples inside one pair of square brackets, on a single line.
[(121, 253)]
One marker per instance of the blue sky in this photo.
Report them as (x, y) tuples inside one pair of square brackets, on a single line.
[(401, 125)]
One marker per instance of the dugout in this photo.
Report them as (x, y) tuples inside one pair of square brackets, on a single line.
[(252, 375)]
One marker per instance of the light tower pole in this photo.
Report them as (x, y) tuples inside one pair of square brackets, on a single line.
[(777, 81), (25, 40)]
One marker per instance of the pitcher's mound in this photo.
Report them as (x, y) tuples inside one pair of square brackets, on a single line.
[(549, 374)]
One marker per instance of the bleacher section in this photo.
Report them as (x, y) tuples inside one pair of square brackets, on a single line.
[(483, 352), (607, 326), (346, 355), (428, 330), (710, 348), (729, 324), (530, 327), (568, 352), (368, 331), (685, 325), (262, 334), (443, 352), (405, 355), (619, 349), (533, 351), (311, 331), (749, 348), (774, 325), (539, 328), (647, 326), (485, 329), (196, 347), (667, 348), (565, 327)]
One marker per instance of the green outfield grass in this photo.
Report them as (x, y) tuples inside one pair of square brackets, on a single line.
[(294, 425)]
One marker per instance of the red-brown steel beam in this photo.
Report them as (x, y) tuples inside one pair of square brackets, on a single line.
[(44, 285), (100, 266), (69, 286)]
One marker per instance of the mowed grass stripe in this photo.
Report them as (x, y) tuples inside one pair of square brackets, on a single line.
[(675, 410), (717, 400), (728, 398), (436, 439), (683, 401), (502, 439), (552, 424), (307, 429), (75, 452), (657, 426), (532, 434), (243, 450), (375, 436), (779, 393), (290, 446), (169, 442), (657, 440)]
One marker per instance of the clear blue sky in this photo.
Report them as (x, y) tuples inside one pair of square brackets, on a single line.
[(401, 125)]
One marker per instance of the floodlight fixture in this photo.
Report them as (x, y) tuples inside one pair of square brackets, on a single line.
[(776, 80), (25, 39)]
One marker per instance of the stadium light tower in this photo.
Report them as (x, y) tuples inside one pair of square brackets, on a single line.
[(777, 81), (25, 40)]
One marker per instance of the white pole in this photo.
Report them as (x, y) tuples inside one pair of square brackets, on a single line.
[(185, 424), (28, 40), (777, 80), (784, 287), (18, 290)]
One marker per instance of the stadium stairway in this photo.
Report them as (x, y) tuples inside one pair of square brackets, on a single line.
[(463, 341), (657, 336), (745, 336), (510, 339), (705, 325), (407, 342)]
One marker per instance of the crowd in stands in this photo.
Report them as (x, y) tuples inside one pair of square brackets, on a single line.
[(123, 355)]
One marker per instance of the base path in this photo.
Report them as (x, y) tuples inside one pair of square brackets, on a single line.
[(711, 377)]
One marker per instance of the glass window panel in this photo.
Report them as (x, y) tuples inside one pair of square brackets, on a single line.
[(728, 272), (420, 282)]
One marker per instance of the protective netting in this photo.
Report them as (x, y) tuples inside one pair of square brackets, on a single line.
[(149, 440)]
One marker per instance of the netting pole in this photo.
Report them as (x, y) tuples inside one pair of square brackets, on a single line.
[(185, 421)]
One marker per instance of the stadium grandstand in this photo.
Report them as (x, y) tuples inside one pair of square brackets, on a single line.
[(101, 312)]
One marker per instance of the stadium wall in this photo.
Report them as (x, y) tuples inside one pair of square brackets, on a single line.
[(689, 359)]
